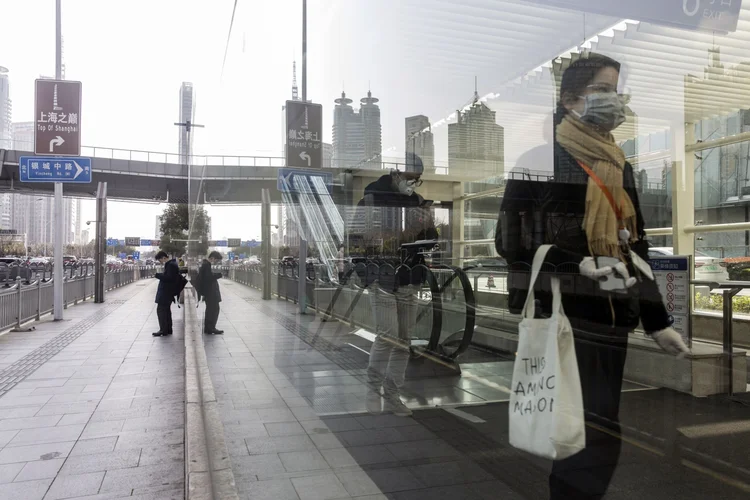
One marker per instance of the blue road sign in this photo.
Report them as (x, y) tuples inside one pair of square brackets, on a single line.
[(231, 255), (55, 169), (145, 242), (136, 255), (253, 243), (286, 184), (111, 242)]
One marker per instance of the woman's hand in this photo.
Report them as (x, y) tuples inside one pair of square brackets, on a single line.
[(671, 342), (588, 268)]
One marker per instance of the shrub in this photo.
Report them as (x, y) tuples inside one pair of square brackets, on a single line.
[(715, 302), (738, 268)]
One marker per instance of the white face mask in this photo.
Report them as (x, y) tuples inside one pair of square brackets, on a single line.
[(406, 187), (604, 109)]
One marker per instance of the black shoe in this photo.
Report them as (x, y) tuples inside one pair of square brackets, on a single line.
[(158, 334), (170, 332), (218, 332)]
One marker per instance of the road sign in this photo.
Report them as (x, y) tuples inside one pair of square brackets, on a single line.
[(234, 242), (132, 241), (111, 242), (55, 169), (304, 134), (285, 181), (231, 256), (57, 120), (253, 243), (136, 255)]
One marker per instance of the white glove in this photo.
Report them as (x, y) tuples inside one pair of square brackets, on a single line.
[(671, 342), (588, 268)]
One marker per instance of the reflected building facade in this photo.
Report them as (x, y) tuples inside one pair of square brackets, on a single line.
[(357, 135), (419, 140), (187, 114), (476, 142)]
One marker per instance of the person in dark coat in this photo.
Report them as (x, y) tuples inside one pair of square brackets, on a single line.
[(209, 290), (590, 213), (165, 293), (393, 290)]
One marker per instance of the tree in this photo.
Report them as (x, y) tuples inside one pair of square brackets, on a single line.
[(175, 225)]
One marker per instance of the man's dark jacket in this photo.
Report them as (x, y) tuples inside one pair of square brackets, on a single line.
[(208, 282), (167, 282)]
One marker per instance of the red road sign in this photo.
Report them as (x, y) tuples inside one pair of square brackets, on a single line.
[(57, 120)]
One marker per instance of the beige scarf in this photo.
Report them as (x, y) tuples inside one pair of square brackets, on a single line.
[(598, 151)]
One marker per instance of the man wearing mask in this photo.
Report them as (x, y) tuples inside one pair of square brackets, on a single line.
[(165, 293), (393, 290), (208, 288)]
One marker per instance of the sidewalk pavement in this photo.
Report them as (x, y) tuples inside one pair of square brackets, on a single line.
[(291, 395), (93, 407)]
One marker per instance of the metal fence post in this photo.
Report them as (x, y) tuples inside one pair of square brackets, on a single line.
[(65, 289), (38, 297), (20, 302)]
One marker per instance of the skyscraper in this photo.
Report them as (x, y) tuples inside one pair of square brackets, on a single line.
[(357, 136), (23, 136), (419, 140), (6, 201), (187, 114), (6, 110), (476, 141)]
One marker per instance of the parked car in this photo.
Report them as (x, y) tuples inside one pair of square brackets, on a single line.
[(707, 268), (70, 260)]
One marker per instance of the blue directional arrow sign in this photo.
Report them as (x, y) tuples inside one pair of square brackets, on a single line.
[(285, 182), (55, 169)]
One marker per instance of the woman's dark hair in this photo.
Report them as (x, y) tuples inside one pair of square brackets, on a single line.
[(215, 255), (577, 76), (161, 255)]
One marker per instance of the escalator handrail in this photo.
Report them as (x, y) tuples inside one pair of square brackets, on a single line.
[(471, 308)]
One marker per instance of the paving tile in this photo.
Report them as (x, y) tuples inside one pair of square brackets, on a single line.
[(40, 469), (448, 473), (297, 461), (246, 430), (321, 487), (358, 456), (272, 489), (325, 425), (257, 465), (377, 481), (152, 455), (75, 486), (6, 437), (166, 477), (30, 453), (6, 402), (27, 490), (96, 462), (8, 472), (95, 445), (158, 437), (47, 435), (75, 418), (65, 408), (279, 444), (422, 449), (24, 411), (285, 429), (102, 429), (9, 424)]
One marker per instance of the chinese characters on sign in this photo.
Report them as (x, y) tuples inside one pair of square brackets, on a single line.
[(57, 127), (304, 134), (672, 275), (55, 169)]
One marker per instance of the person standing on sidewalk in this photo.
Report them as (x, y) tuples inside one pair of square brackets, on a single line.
[(165, 293), (208, 288)]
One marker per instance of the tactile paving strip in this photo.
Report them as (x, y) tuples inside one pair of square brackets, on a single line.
[(28, 364)]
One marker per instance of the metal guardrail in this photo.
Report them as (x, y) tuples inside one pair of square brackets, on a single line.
[(22, 303), (729, 290)]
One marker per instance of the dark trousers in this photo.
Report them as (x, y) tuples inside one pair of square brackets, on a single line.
[(212, 316), (164, 313), (601, 353)]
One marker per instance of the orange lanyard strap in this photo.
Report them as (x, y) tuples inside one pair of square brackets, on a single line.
[(605, 190)]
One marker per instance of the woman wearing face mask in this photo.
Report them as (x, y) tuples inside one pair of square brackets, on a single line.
[(591, 214)]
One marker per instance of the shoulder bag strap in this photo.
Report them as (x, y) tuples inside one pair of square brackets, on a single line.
[(536, 266)]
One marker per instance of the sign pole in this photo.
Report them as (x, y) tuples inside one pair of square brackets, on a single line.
[(302, 280), (59, 209)]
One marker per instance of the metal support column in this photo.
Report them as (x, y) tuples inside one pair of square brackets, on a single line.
[(265, 220), (100, 257), (683, 186), (302, 279), (59, 208), (458, 224)]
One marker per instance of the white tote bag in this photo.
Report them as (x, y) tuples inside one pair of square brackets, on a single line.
[(546, 404)]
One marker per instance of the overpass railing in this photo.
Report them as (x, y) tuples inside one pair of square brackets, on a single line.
[(28, 301)]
